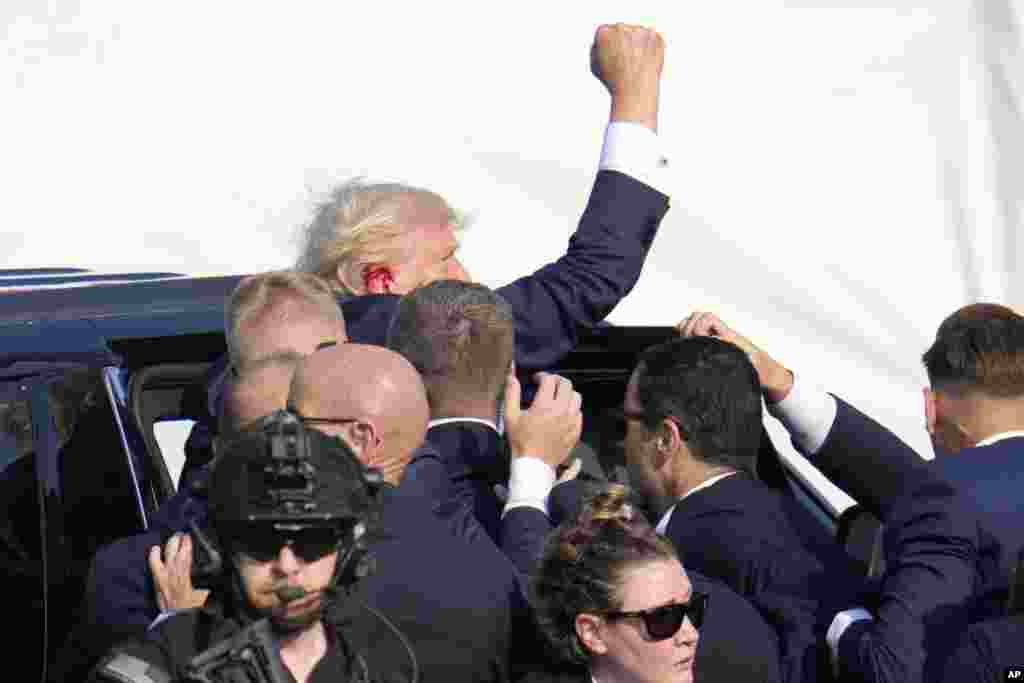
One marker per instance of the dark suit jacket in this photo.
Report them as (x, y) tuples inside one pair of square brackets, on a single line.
[(457, 601), (992, 477), (475, 459), (769, 550), (986, 651), (735, 644), (933, 567)]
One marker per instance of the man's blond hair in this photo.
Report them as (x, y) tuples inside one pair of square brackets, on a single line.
[(360, 224), (257, 294)]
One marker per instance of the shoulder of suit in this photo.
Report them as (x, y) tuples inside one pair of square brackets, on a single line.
[(736, 494)]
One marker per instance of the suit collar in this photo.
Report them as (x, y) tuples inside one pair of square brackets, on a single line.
[(1001, 436), (707, 483), (449, 420), (470, 448)]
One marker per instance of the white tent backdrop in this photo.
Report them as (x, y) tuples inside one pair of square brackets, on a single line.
[(845, 173)]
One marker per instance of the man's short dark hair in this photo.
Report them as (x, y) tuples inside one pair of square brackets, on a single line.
[(459, 335), (710, 388), (978, 349)]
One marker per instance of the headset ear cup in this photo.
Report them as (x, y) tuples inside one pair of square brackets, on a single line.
[(207, 560), (364, 563), (356, 562)]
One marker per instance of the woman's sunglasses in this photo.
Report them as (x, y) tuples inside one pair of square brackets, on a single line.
[(664, 622)]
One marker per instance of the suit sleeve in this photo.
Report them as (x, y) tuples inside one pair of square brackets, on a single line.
[(930, 546), (868, 461), (600, 267), (929, 582), (523, 530), (974, 659), (427, 478)]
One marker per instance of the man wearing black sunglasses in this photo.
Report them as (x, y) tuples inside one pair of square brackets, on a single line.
[(288, 514)]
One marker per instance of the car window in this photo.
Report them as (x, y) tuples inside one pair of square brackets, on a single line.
[(171, 435), (97, 478), (19, 490), (21, 561), (91, 486)]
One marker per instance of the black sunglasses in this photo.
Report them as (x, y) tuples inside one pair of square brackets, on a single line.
[(264, 544), (664, 622)]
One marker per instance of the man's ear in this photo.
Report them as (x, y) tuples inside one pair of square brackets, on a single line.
[(667, 442), (362, 438), (588, 631), (378, 279), (929, 409), (942, 410)]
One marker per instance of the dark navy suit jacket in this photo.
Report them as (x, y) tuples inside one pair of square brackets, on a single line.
[(458, 601), (475, 459), (986, 651), (768, 549), (993, 478), (934, 572)]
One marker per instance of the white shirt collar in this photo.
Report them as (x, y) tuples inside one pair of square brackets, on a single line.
[(663, 522), (1001, 436), (448, 420)]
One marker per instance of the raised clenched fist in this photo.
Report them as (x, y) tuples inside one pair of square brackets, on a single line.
[(628, 59)]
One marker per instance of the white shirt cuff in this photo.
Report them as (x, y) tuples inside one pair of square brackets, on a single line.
[(807, 413), (163, 616), (839, 625), (529, 484), (635, 150)]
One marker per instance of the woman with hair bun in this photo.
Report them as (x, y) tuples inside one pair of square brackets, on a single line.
[(613, 600)]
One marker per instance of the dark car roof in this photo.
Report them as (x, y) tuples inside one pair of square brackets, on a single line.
[(93, 322), (146, 319), (181, 295)]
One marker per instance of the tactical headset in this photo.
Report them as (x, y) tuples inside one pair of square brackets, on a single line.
[(279, 483)]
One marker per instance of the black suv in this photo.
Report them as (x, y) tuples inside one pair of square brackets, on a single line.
[(90, 364)]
